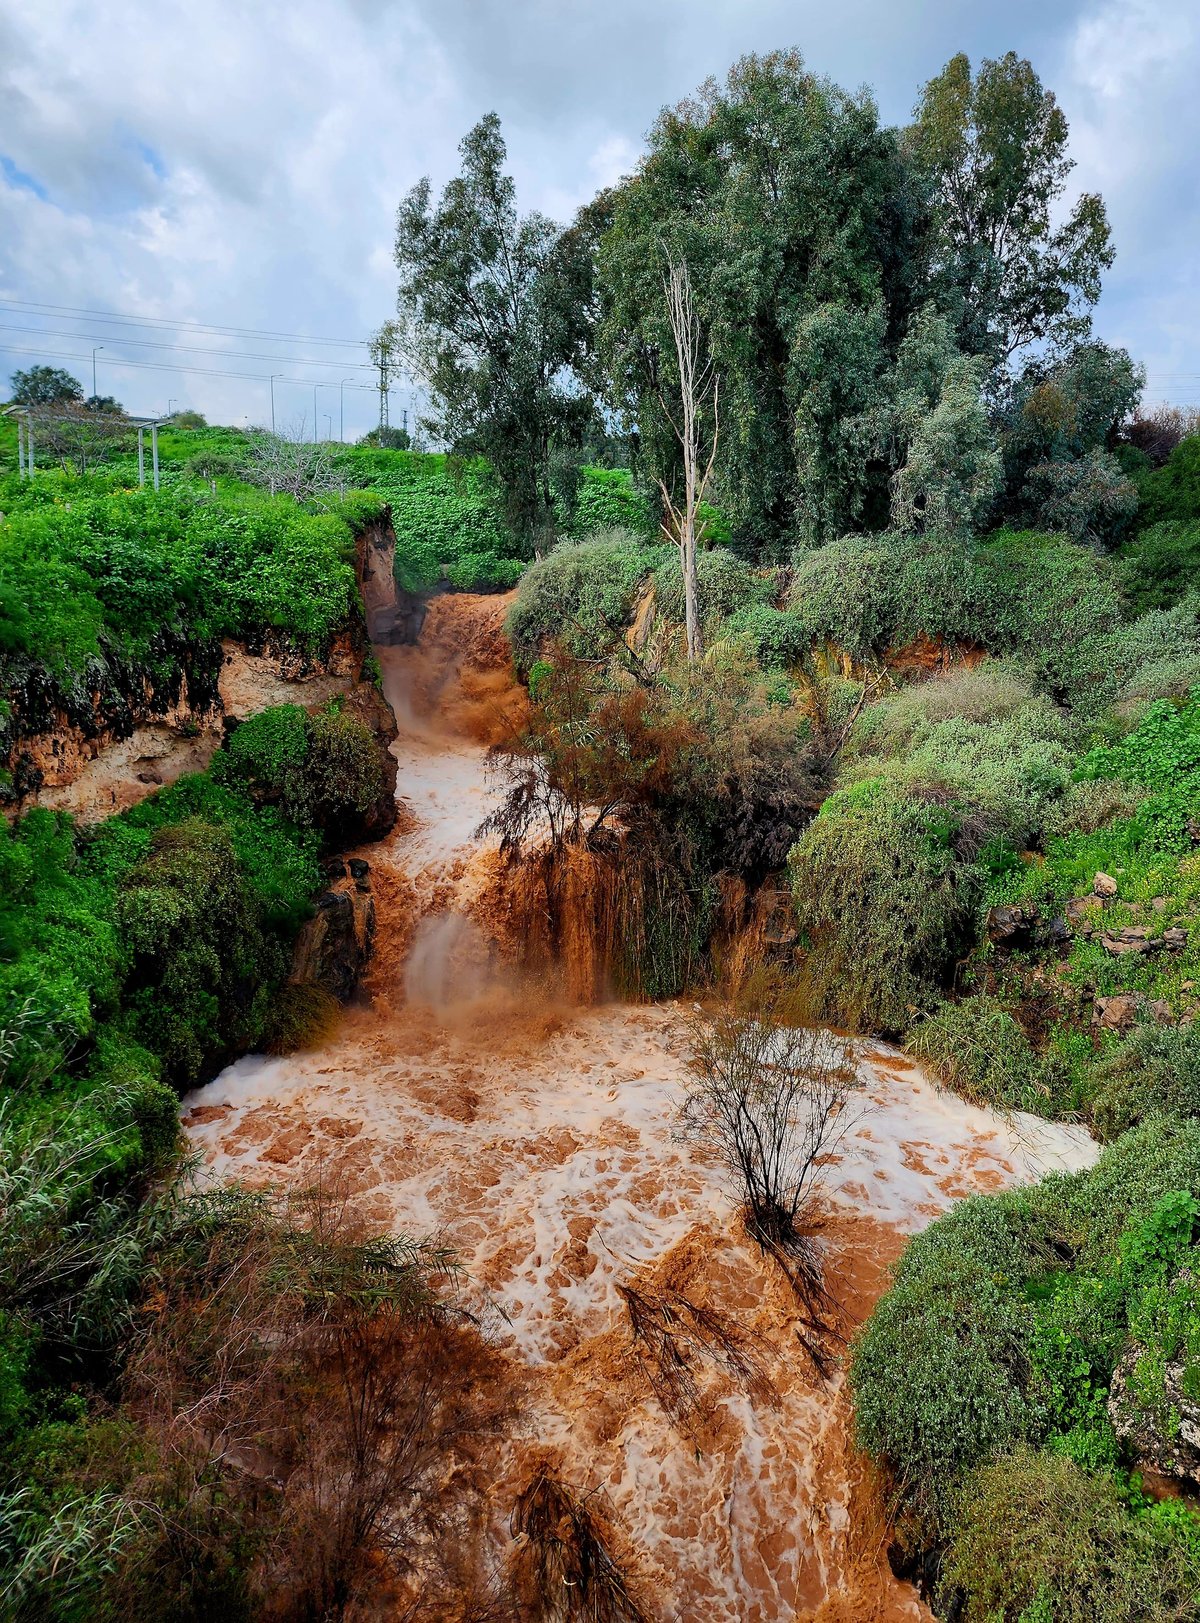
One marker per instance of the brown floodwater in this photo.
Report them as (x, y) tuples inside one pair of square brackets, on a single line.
[(541, 1140)]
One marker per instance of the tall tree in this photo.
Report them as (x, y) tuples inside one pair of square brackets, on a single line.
[(493, 313), (786, 198), (994, 145)]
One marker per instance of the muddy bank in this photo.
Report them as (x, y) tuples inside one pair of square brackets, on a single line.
[(541, 1140)]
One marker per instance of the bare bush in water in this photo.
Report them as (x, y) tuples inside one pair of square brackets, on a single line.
[(775, 1100), (671, 1335), (563, 1568)]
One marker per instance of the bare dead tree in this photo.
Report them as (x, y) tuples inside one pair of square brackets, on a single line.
[(697, 377), (79, 436), (775, 1100), (287, 464)]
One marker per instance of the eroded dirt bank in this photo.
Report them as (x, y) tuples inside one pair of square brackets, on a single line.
[(541, 1141)]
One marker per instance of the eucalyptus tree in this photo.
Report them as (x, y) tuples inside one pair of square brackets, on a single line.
[(493, 314), (786, 199), (994, 146)]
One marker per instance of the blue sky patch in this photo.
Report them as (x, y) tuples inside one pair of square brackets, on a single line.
[(19, 180)]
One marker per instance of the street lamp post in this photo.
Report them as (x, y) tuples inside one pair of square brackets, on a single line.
[(315, 388), (342, 408), (274, 375), (95, 352)]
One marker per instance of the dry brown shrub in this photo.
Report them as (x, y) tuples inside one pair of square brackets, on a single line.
[(563, 1568)]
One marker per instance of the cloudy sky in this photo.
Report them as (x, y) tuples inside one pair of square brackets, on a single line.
[(229, 173)]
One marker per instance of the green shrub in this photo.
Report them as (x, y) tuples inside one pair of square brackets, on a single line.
[(978, 1050), (302, 1016), (1162, 754), (1007, 768), (725, 584), (201, 962), (779, 637), (868, 594), (607, 499), (1172, 492), (940, 1369), (581, 593), (325, 772), (1037, 1540), (885, 898), (1155, 1071), (1161, 565)]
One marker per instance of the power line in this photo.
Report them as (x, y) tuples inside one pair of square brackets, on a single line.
[(164, 366), (111, 316), (190, 349)]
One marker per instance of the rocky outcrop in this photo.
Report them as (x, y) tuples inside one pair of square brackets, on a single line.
[(334, 947)]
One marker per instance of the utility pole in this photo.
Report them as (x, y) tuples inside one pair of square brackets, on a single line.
[(381, 347), (274, 375), (95, 352), (171, 406), (342, 408), (329, 426), (314, 413)]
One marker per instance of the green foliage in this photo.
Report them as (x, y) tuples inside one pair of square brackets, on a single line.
[(1162, 754), (497, 308), (883, 890), (726, 585), (1155, 1071), (994, 144), (976, 1048), (581, 593), (795, 214), (1161, 565), (44, 385), (1039, 1539), (1172, 493), (607, 499), (1007, 1316)]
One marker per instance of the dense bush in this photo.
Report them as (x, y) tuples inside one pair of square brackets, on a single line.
[(1155, 1072), (1007, 1316), (1172, 492), (1041, 1541), (582, 594), (980, 738), (608, 499), (725, 584), (884, 888), (325, 771), (1161, 565)]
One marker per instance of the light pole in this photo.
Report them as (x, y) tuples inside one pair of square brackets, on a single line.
[(171, 406), (315, 388), (329, 425), (342, 408), (274, 375), (95, 352)]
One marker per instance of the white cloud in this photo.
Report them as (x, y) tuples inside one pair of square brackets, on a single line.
[(241, 165)]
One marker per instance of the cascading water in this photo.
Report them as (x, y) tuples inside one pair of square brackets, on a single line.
[(540, 1140)]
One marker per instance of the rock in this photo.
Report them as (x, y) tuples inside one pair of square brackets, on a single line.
[(1161, 1010), (1158, 903), (1116, 1013), (1081, 914), (1010, 924), (1104, 885), (335, 946), (1134, 939), (359, 871), (1175, 938), (1058, 933), (1142, 1430)]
